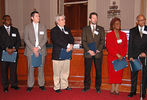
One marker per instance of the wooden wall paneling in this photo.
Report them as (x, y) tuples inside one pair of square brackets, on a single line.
[(2, 10)]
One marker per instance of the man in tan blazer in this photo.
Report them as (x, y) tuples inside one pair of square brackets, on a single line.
[(35, 37), (93, 33)]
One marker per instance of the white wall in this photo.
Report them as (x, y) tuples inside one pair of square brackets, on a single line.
[(20, 11)]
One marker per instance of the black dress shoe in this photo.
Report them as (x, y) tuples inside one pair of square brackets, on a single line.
[(98, 90), (5, 90), (42, 88), (15, 87), (68, 88), (132, 94), (85, 89), (29, 89), (58, 91), (143, 95)]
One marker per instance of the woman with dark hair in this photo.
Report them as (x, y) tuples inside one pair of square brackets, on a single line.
[(116, 43)]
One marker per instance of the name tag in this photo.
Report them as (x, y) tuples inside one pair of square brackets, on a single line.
[(119, 41), (96, 32), (13, 35), (66, 32), (41, 33), (144, 32)]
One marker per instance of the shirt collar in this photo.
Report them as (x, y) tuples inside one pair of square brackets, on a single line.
[(60, 27), (7, 27), (139, 27), (91, 25)]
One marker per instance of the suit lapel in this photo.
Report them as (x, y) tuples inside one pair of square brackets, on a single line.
[(33, 32), (5, 31), (39, 32), (90, 31)]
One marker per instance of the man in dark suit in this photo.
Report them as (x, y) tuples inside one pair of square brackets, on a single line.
[(138, 47), (93, 33), (35, 37), (10, 42), (62, 38)]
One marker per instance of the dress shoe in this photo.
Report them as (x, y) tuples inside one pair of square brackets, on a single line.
[(143, 95), (68, 88), (131, 94), (42, 88), (29, 89), (116, 93), (5, 90), (15, 87), (112, 92), (85, 89), (58, 91), (98, 90)]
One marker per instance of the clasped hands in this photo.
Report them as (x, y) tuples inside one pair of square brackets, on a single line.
[(92, 53), (10, 51), (36, 51)]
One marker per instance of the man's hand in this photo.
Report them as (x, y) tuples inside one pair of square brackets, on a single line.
[(97, 51), (10, 51), (142, 54), (131, 59), (35, 49), (70, 48), (119, 56), (92, 53)]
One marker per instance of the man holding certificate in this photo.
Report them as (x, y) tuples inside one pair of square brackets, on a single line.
[(93, 40), (35, 37), (9, 44), (138, 48), (62, 45)]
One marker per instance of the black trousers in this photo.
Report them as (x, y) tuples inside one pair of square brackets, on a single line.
[(13, 74), (134, 79), (87, 79)]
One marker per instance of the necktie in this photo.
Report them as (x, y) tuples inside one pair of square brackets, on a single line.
[(141, 33), (62, 29), (8, 30)]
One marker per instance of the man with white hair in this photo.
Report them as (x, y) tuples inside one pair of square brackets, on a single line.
[(62, 38)]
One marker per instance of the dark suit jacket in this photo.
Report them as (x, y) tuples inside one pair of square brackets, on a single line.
[(11, 41), (137, 44), (87, 38), (60, 40)]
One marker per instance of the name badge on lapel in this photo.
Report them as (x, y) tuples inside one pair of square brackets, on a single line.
[(119, 41), (13, 35), (96, 32), (66, 32), (144, 32), (41, 32)]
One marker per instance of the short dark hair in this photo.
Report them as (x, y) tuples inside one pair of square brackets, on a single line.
[(33, 13), (93, 13), (5, 16), (113, 21)]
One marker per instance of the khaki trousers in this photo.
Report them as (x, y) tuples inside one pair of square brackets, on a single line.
[(61, 70)]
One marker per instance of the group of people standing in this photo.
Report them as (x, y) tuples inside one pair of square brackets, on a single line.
[(35, 38)]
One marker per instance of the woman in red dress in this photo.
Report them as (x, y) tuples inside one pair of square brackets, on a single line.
[(116, 43)]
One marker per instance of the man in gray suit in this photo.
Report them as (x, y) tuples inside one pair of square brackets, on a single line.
[(93, 34), (35, 37)]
